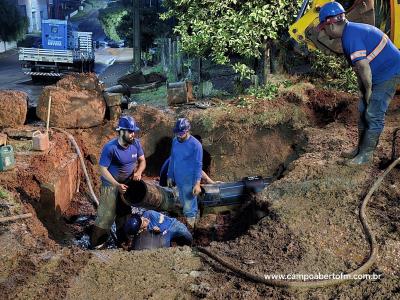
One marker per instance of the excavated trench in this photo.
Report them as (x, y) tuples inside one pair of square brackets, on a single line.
[(217, 222), (228, 157)]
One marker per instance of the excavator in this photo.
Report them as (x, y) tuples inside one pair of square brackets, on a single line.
[(384, 14)]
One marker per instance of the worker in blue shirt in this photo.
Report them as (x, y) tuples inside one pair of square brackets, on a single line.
[(185, 168), (205, 167), (153, 221), (376, 61), (121, 159)]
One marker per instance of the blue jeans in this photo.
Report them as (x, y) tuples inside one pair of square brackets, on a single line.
[(372, 117), (178, 230), (188, 200)]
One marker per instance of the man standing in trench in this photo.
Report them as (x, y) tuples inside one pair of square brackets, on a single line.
[(121, 159), (376, 61), (185, 168)]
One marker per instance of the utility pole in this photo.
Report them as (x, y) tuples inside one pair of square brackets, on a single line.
[(136, 36)]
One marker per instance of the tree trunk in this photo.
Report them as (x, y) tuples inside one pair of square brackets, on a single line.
[(200, 87), (266, 64), (136, 36), (274, 57), (174, 63)]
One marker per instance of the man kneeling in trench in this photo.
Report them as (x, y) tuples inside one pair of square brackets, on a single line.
[(121, 159), (153, 221)]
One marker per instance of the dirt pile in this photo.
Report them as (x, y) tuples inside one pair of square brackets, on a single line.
[(77, 102), (13, 108)]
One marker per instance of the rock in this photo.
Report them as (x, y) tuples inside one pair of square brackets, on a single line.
[(13, 108), (112, 99), (72, 105), (194, 274), (115, 112)]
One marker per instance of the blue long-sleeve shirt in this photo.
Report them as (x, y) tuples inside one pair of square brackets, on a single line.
[(186, 161)]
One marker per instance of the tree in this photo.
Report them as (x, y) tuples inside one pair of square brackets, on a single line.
[(13, 25), (219, 29), (151, 28), (117, 23), (110, 19)]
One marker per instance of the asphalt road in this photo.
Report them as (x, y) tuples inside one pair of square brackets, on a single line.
[(110, 64), (12, 78)]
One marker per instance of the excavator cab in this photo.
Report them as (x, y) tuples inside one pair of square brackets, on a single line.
[(384, 14)]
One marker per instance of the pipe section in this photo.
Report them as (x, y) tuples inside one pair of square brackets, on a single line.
[(150, 195)]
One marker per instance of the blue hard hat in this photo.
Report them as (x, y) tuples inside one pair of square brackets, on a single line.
[(132, 225), (127, 123), (182, 126), (329, 10)]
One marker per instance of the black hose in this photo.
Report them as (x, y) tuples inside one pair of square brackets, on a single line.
[(322, 283)]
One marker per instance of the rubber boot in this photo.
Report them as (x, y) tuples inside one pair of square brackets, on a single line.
[(355, 151), (98, 238), (367, 149)]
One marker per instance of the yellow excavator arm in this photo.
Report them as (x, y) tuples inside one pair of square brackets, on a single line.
[(384, 14), (395, 22)]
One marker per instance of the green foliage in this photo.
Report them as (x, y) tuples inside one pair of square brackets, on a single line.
[(334, 70), (13, 26), (117, 22), (110, 19), (219, 29), (4, 194), (268, 91), (155, 97)]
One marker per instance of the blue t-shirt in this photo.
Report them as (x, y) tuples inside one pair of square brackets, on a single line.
[(186, 161), (363, 41), (120, 161), (158, 220)]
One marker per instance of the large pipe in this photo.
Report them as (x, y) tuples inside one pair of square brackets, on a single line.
[(150, 195)]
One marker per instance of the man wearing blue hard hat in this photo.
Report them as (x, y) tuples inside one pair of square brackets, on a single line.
[(185, 168), (121, 159), (376, 61), (158, 223)]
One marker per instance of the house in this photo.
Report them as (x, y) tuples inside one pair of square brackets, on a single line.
[(35, 11)]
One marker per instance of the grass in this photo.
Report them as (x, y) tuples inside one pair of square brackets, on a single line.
[(4, 194), (8, 204), (155, 97), (264, 109)]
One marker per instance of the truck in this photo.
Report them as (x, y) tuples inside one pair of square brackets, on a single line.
[(62, 51), (384, 14)]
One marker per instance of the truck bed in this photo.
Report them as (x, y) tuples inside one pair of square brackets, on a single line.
[(51, 55)]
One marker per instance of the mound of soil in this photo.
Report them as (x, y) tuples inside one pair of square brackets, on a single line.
[(13, 108), (77, 102)]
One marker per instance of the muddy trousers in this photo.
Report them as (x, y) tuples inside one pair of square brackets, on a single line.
[(111, 208), (372, 116)]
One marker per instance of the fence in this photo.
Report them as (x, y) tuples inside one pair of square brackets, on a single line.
[(170, 56)]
